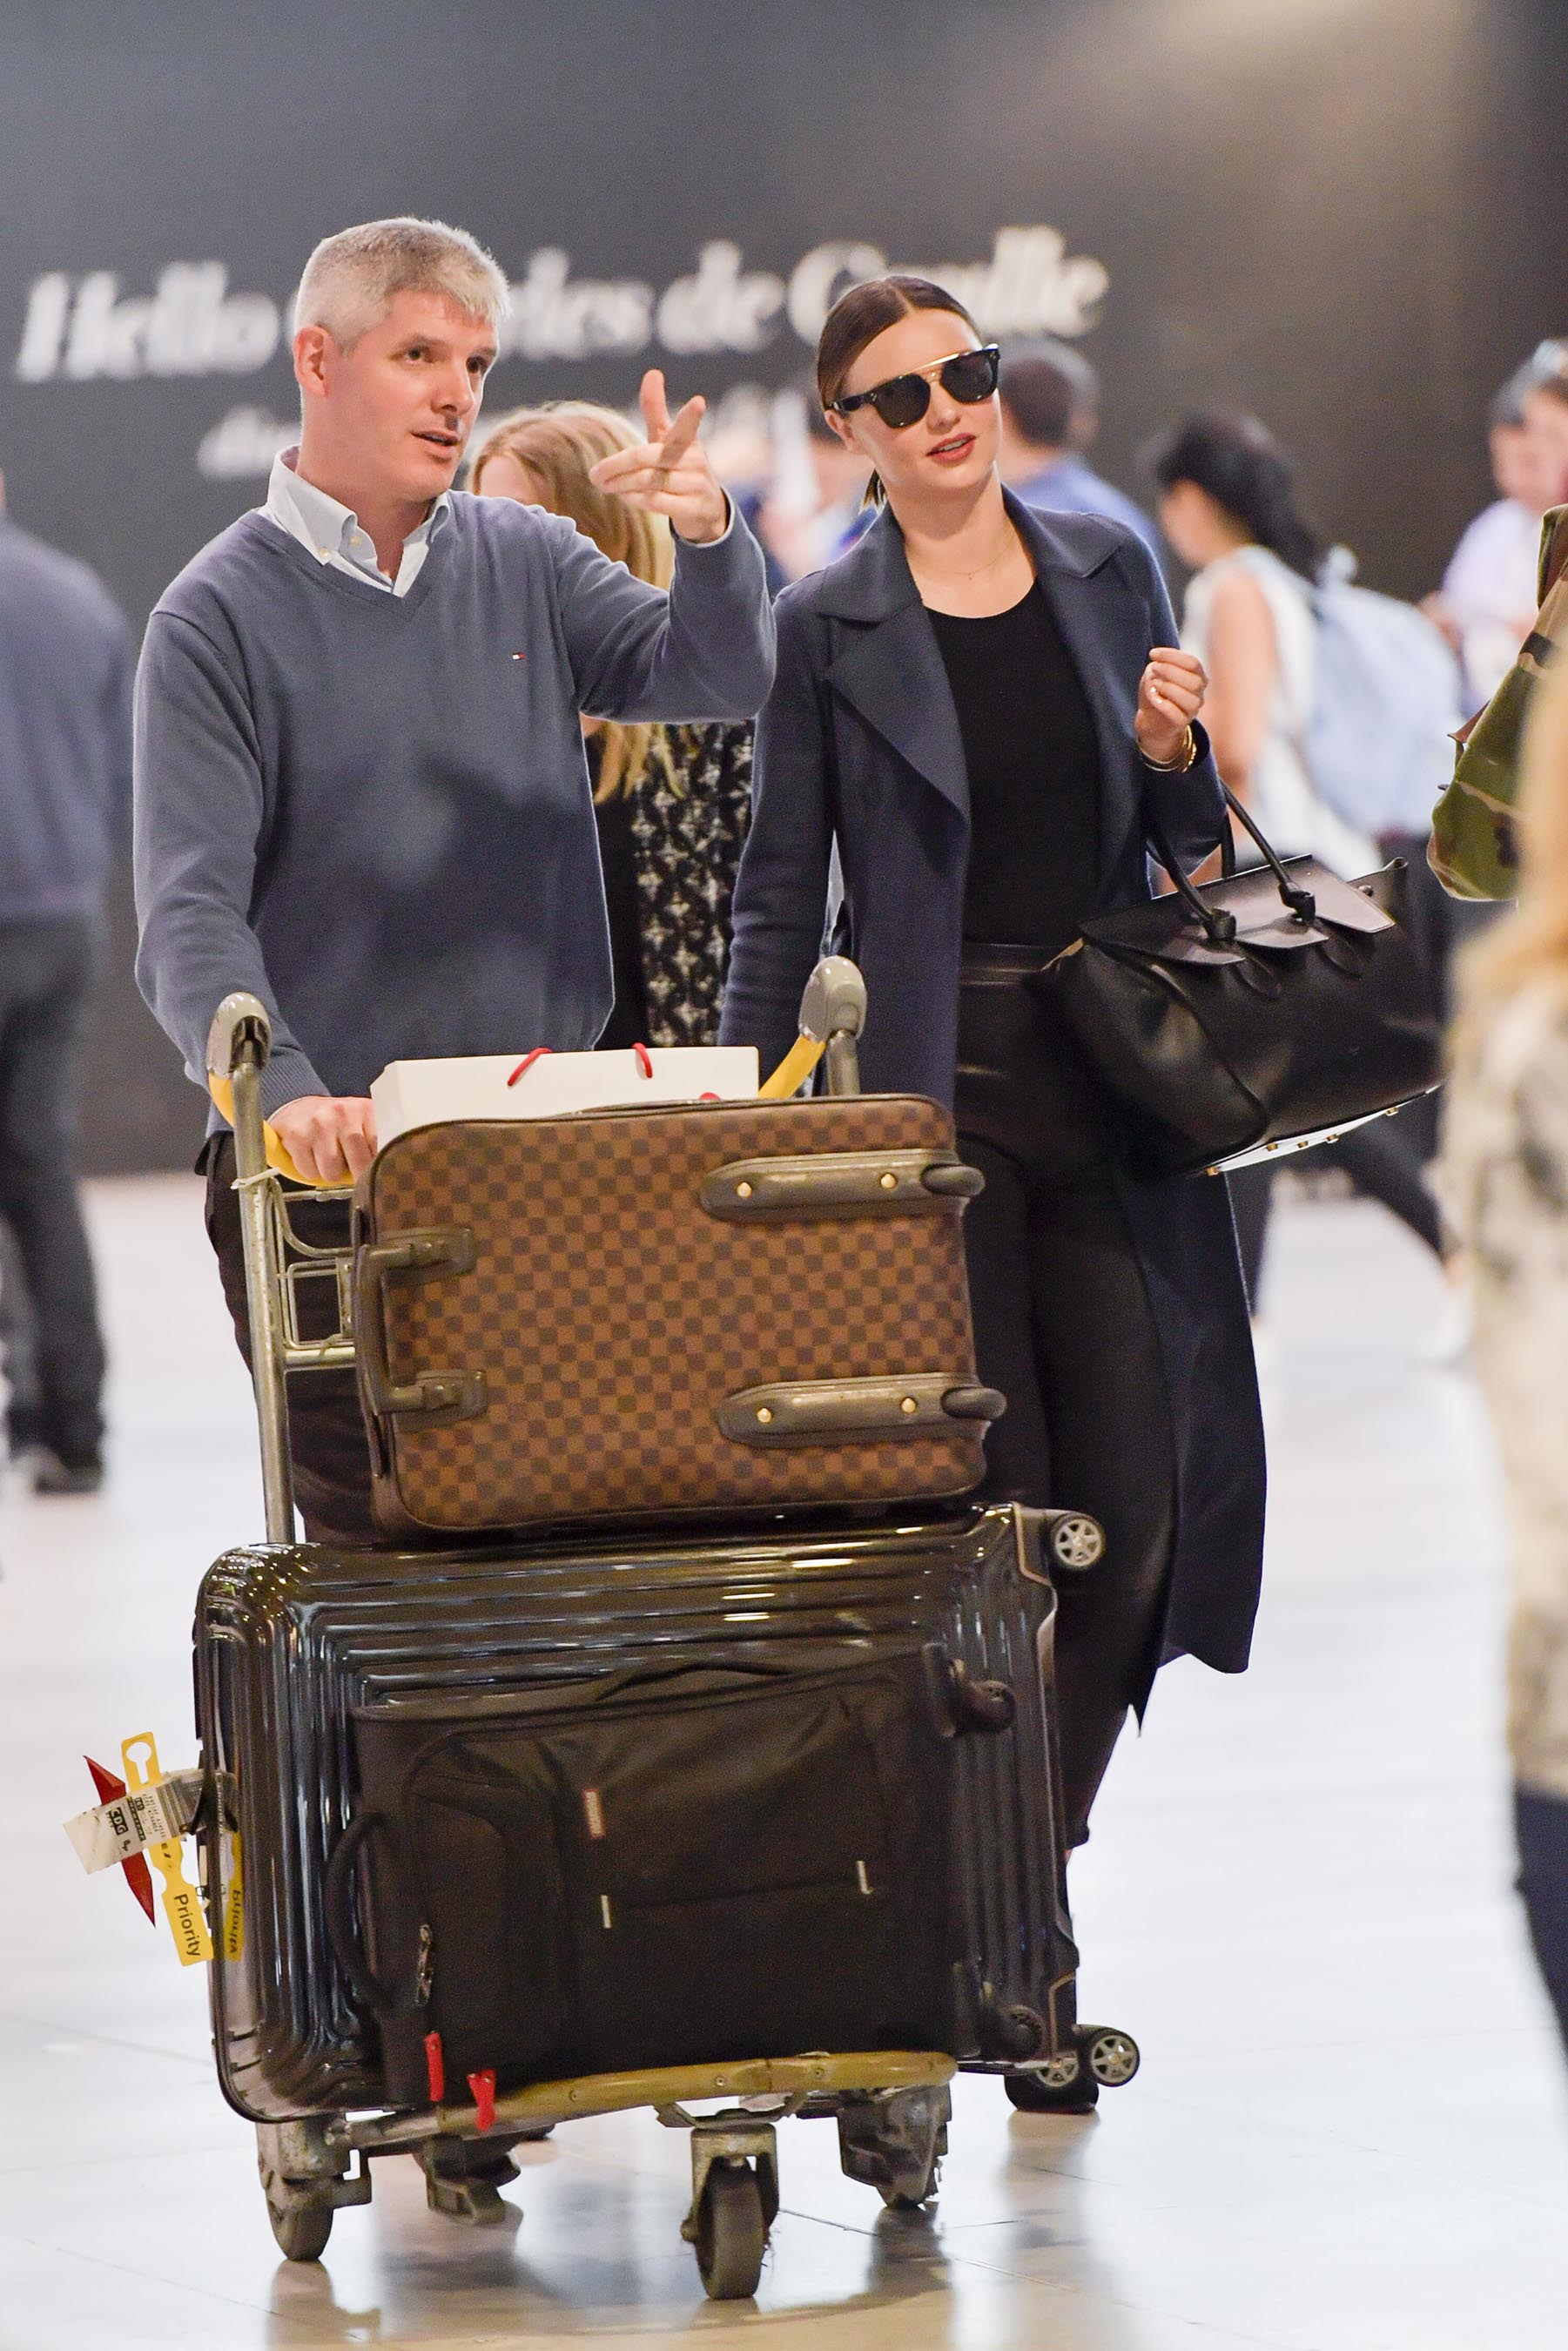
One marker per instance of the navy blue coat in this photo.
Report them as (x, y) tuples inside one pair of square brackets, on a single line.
[(858, 746)]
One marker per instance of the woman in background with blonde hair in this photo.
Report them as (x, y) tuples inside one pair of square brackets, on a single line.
[(672, 802), (1506, 1187)]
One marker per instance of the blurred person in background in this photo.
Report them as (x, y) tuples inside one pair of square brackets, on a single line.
[(1546, 411), (973, 708), (1506, 1185), (818, 505), (672, 803), (66, 670), (1050, 415), (18, 1351), (1487, 601), (738, 435), (1229, 507)]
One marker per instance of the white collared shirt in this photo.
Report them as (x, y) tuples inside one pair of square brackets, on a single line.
[(333, 534)]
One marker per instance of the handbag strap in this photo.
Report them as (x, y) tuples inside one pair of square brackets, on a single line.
[(1217, 922)]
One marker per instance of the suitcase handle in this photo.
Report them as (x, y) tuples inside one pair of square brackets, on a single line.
[(857, 1410), (435, 1397), (337, 1901), (837, 1183)]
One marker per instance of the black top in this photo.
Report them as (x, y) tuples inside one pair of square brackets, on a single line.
[(1034, 776), (628, 1021)]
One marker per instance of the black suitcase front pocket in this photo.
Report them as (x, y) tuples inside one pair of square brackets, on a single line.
[(724, 1866), (733, 1887)]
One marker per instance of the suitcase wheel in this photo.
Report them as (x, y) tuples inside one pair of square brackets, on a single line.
[(730, 2231), (1071, 2082), (1112, 2057), (1076, 1541), (301, 2230)]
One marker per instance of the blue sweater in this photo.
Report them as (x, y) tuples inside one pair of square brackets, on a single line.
[(65, 730), (373, 811)]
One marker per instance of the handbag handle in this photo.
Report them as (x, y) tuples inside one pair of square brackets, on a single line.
[(1218, 924)]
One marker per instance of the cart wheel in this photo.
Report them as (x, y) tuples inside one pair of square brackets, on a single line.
[(894, 2141), (911, 2199), (301, 2230), (731, 2234), (1112, 2058)]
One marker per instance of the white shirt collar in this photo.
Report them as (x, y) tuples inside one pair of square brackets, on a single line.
[(333, 532)]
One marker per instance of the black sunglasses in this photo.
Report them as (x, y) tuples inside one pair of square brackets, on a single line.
[(968, 376)]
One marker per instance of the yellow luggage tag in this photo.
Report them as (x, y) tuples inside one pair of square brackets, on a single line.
[(182, 1903)]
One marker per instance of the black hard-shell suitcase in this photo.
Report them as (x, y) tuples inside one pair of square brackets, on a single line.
[(303, 1656)]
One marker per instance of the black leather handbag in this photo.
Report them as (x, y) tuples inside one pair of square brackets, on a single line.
[(1251, 1016)]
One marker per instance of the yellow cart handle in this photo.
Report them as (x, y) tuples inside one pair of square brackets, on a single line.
[(794, 1070), (222, 1093)]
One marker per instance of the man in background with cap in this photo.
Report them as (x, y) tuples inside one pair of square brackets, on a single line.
[(1051, 404)]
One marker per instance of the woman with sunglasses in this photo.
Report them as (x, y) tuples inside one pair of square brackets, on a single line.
[(974, 705)]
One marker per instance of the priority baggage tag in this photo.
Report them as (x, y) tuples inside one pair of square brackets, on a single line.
[(234, 1899), (182, 1903)]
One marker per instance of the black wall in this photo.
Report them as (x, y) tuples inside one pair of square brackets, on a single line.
[(1340, 212)]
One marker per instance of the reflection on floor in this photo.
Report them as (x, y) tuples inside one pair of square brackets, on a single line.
[(1351, 2131)]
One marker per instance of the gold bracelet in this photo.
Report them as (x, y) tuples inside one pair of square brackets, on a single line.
[(1178, 765)]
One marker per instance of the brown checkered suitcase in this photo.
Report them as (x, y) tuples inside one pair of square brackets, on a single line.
[(629, 1313)]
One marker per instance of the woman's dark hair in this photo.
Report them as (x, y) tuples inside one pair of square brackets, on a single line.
[(859, 315), (1243, 469)]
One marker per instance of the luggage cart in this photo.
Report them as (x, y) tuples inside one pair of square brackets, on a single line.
[(891, 2108)]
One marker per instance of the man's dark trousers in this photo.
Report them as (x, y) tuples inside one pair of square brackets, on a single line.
[(45, 982), (327, 1439)]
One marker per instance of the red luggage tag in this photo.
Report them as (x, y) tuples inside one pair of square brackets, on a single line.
[(435, 2066), (138, 1876), (482, 2087)]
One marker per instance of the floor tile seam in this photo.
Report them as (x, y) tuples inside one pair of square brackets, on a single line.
[(1526, 2031), (266, 2310), (142, 2156), (1086, 2296), (1266, 1793), (201, 2062), (1316, 2147)]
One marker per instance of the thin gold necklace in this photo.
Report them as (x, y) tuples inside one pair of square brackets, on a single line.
[(989, 564)]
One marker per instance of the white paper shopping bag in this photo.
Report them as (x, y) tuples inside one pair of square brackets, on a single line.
[(543, 1084)]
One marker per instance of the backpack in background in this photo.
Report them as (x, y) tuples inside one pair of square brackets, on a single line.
[(1378, 745)]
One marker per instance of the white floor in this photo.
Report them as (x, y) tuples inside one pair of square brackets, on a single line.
[(1351, 2131)]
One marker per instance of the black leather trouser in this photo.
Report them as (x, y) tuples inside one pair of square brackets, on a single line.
[(1063, 1327)]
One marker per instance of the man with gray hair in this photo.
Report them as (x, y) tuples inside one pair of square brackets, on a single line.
[(360, 790), (1050, 414)]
